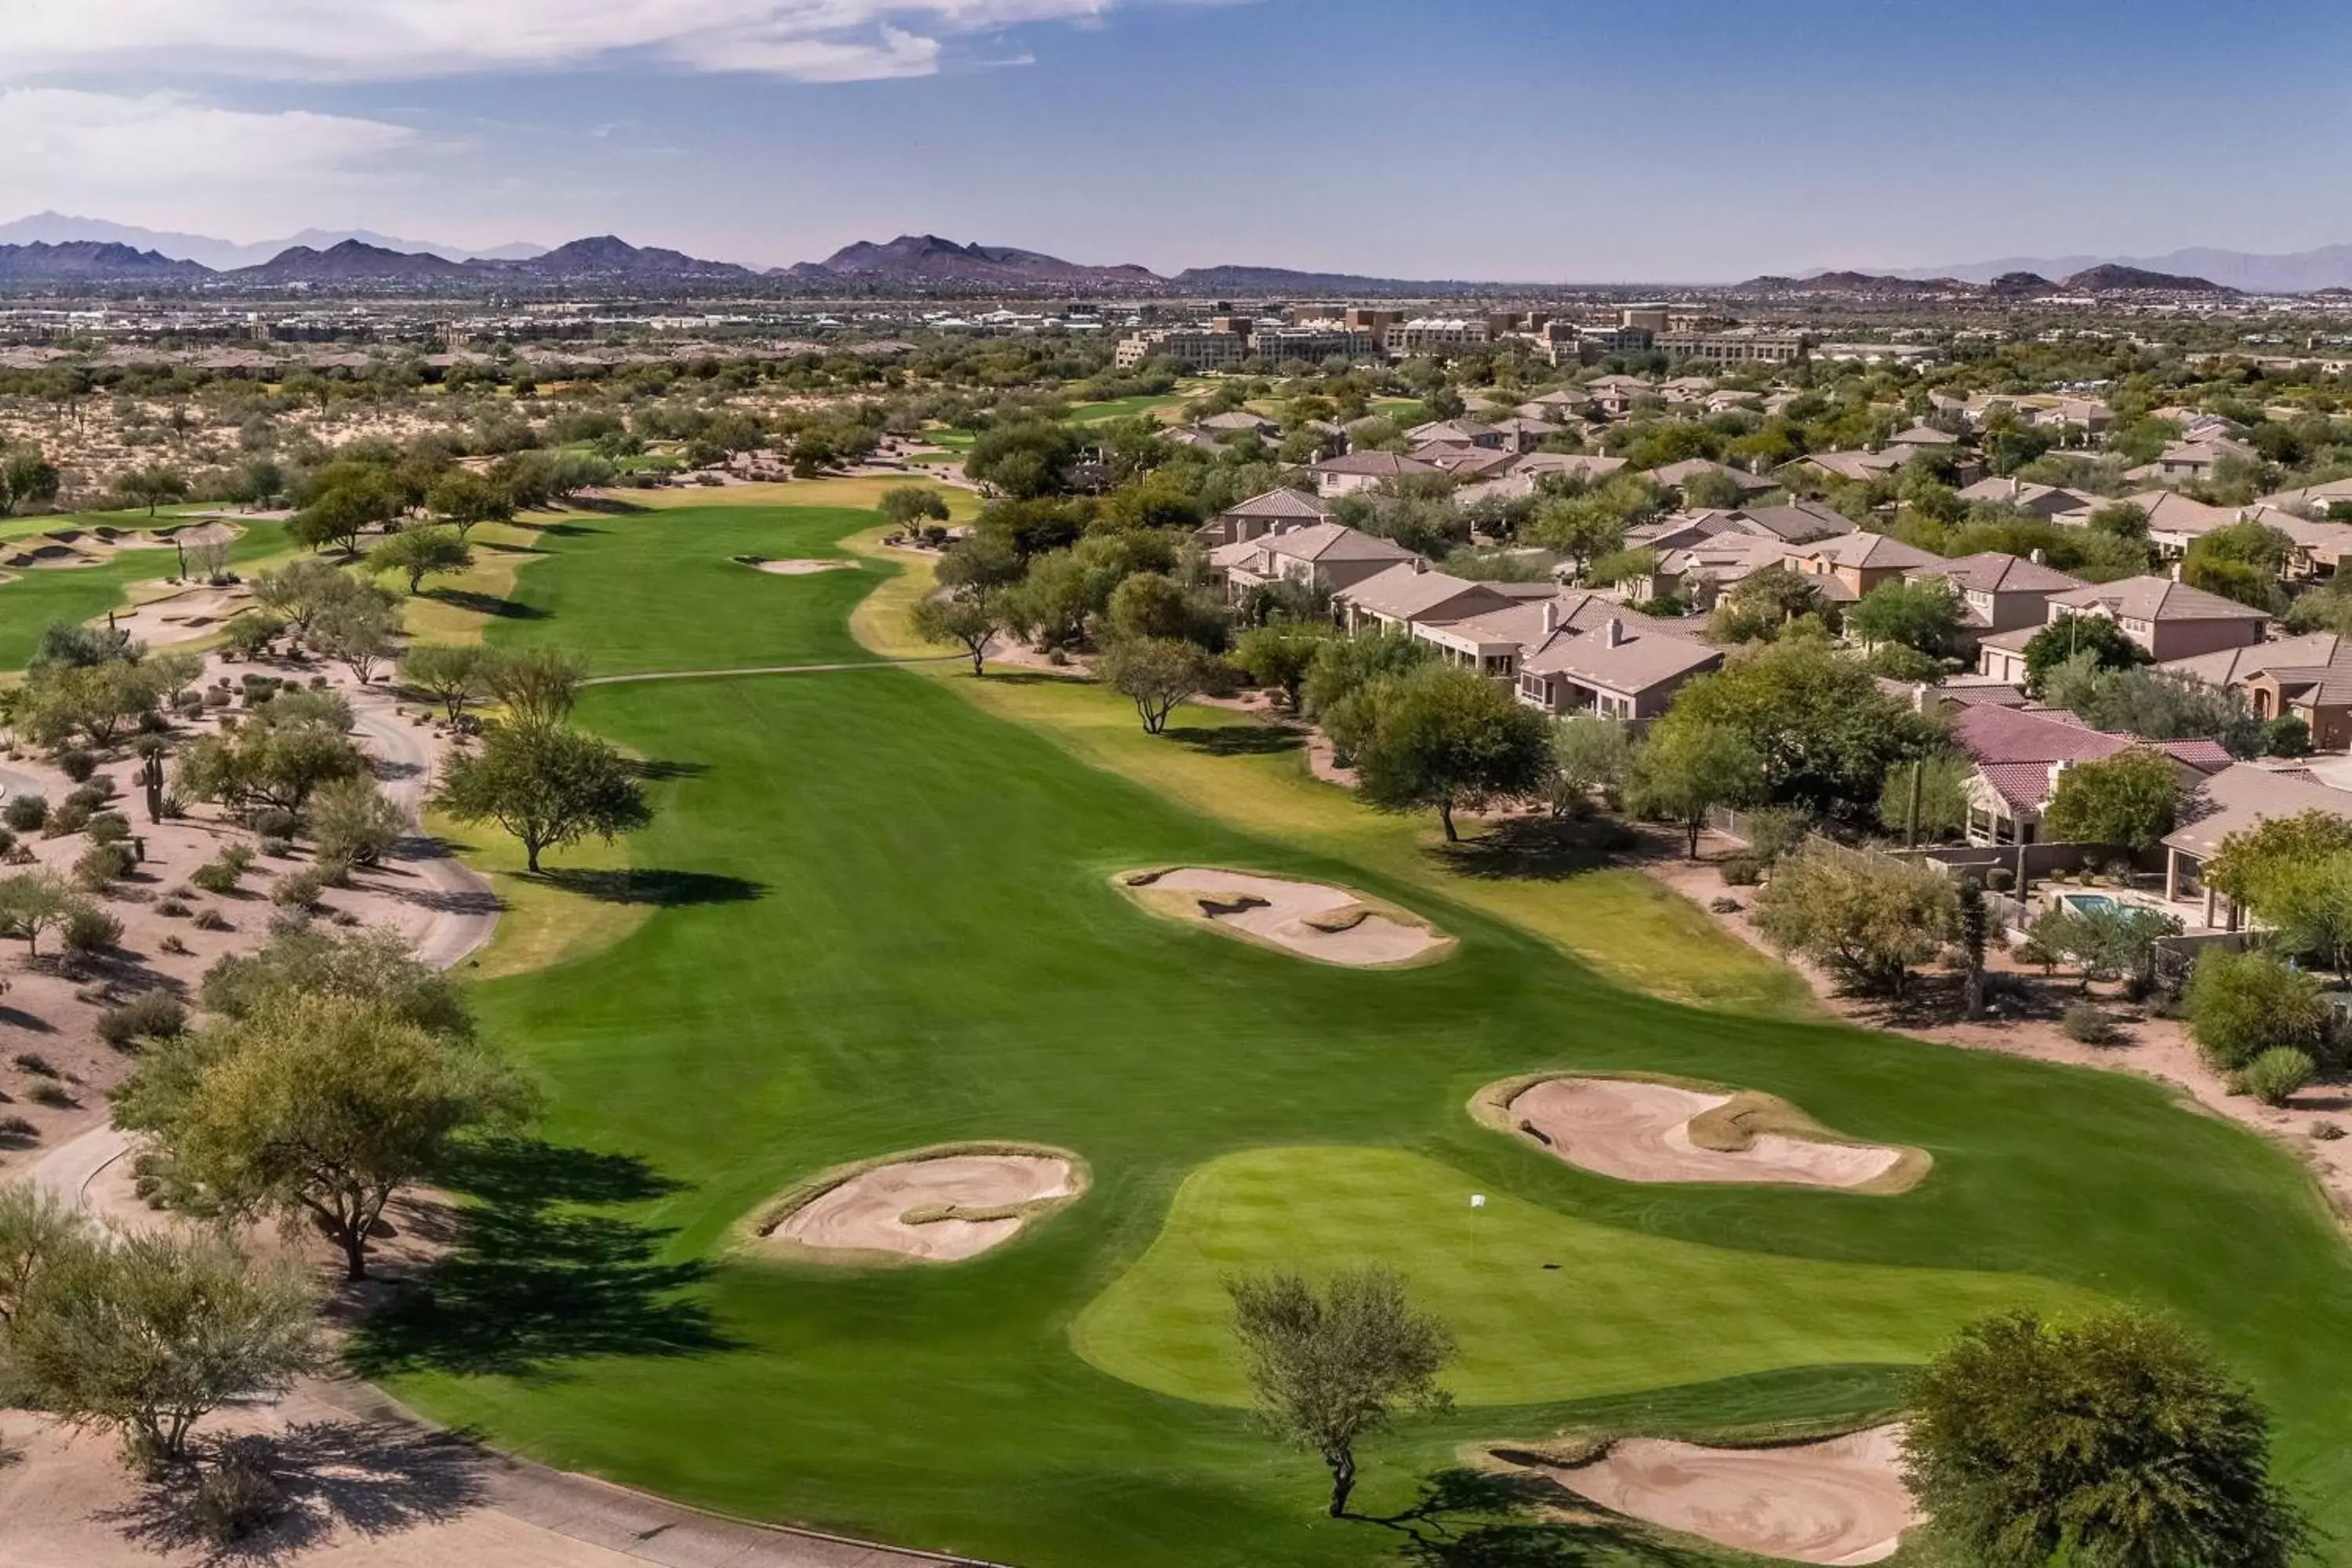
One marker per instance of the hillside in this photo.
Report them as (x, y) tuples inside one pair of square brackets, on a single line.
[(90, 260), (2114, 277)]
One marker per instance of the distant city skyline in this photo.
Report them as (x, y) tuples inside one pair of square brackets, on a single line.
[(1511, 140)]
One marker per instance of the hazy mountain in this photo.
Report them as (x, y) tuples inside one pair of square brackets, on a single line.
[(90, 260), (2111, 277), (607, 256), (1243, 280), (926, 260), (223, 255), (2296, 272), (352, 261)]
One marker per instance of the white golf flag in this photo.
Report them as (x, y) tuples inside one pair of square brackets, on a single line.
[(1478, 1200)]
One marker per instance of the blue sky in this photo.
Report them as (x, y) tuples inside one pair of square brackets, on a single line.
[(1521, 139)]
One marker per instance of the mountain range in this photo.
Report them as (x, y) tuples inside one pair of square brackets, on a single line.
[(2106, 278), (2293, 272), (224, 255)]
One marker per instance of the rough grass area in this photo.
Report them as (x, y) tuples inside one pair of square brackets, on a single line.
[(882, 916), (1546, 1306)]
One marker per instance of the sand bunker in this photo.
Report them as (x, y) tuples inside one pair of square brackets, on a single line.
[(930, 1206), (1841, 1502), (1638, 1129), (1310, 918), (183, 616), (803, 568)]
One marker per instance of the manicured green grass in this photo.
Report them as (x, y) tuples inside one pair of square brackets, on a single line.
[(40, 595), (1544, 1306), (882, 918)]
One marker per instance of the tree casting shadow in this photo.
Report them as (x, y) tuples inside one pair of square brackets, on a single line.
[(1239, 740), (542, 1280), (1535, 848), (483, 603), (662, 889), (1478, 1518)]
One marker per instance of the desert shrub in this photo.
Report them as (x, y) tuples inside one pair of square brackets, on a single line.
[(220, 874), (2241, 1004), (2273, 1076), (37, 1064), (300, 890), (25, 813), (174, 909), (68, 816), (2088, 1024), (100, 865), (175, 946), (1725, 906), (237, 1496), (277, 849), (2326, 1131), (16, 1130), (108, 828), (150, 1015), (55, 1096), (90, 930), (212, 919), (1742, 871), (2000, 879), (1776, 832), (274, 822), (76, 765), (7, 841)]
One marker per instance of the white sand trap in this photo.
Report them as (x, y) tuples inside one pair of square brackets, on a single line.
[(179, 618), (1638, 1130), (806, 568), (1311, 919), (936, 1209), (1841, 1502)]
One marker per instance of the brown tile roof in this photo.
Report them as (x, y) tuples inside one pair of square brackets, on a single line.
[(1280, 503), (2239, 797), (2157, 599), (1992, 572), (1379, 465), (1641, 659), (1406, 591)]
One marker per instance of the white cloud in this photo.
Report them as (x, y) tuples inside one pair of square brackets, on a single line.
[(304, 40), (167, 154)]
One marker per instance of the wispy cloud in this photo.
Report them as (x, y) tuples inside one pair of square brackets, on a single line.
[(100, 145), (338, 40)]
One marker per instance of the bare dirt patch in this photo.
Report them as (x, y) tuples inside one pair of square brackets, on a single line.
[(1313, 919), (929, 1206), (1649, 1129), (1838, 1501)]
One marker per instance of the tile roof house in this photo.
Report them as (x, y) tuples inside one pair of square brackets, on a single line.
[(1491, 641), (1581, 465), (2042, 500), (1322, 556), (2169, 620), (1455, 432), (1412, 591), (1352, 473), (1626, 666), (1274, 511), (2192, 460), (2308, 677), (2002, 592), (2020, 754), (1859, 562), (1239, 421), (1799, 522), (2231, 801), (1465, 462), (1674, 476)]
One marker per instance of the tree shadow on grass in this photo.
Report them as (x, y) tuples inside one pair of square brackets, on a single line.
[(1239, 740), (1478, 1519), (655, 769), (1538, 848), (483, 603), (542, 1280), (661, 888)]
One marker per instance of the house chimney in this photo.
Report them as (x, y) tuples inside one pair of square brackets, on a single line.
[(2016, 484), (1612, 632), (1918, 696), (1550, 617)]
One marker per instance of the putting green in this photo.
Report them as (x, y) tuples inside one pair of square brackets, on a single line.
[(1545, 1306)]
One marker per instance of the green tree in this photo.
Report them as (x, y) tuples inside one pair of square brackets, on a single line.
[(466, 500), (969, 621), (2117, 1440), (284, 751), (151, 486), (1591, 755), (421, 551), (33, 902), (2073, 636), (1866, 918), (1923, 615), (1766, 603), (148, 1334), (1451, 739), (341, 513), (27, 479), (1279, 654), (1682, 771), (547, 785), (362, 631), (2132, 798), (2243, 1003), (365, 965), (907, 505), (317, 1106), (538, 685), (454, 675), (1158, 675), (1330, 1367), (354, 823), (1939, 782)]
